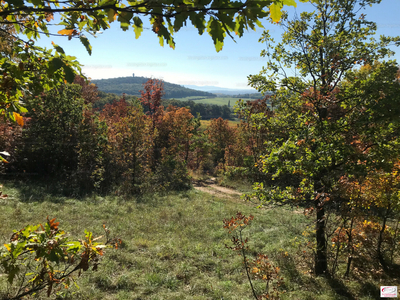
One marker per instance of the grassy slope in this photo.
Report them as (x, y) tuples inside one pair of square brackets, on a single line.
[(174, 245)]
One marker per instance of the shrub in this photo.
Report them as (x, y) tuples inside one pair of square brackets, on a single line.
[(42, 257)]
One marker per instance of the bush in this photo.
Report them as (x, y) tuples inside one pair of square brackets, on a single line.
[(171, 174), (42, 257)]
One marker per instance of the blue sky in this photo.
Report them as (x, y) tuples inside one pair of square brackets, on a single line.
[(194, 60)]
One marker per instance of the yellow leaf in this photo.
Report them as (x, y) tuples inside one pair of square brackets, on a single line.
[(19, 119), (8, 247), (276, 12), (66, 31), (290, 3)]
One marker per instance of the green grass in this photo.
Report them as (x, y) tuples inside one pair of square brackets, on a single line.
[(173, 245), (217, 100), (194, 98), (243, 186)]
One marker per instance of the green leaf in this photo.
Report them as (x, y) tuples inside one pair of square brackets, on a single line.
[(74, 246), (69, 74), (124, 18), (198, 21), (106, 2), (179, 20), (58, 48), (11, 273), (27, 230), (16, 2), (86, 43), (137, 26), (53, 256), (240, 25), (216, 31), (57, 63), (111, 15), (19, 247)]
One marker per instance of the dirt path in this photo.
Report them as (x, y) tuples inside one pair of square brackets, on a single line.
[(210, 186)]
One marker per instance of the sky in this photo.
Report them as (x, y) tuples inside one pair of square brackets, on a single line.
[(194, 61)]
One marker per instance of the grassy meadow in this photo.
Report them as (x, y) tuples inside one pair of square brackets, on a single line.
[(206, 123), (174, 245), (216, 100)]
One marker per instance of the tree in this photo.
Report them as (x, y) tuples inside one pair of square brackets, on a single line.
[(176, 132), (151, 99), (173, 137), (330, 118), (369, 219), (62, 137), (30, 69), (49, 141), (130, 143), (220, 136), (254, 115)]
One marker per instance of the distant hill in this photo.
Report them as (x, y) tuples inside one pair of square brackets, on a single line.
[(132, 85)]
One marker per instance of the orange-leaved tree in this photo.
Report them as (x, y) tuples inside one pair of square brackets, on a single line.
[(130, 142), (176, 131), (174, 136), (220, 136)]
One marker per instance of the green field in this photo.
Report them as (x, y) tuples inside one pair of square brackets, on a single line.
[(174, 245), (217, 100)]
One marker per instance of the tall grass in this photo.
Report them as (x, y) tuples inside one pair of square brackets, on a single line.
[(174, 245)]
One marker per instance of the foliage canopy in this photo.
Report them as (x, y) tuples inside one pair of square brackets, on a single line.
[(28, 69), (332, 118)]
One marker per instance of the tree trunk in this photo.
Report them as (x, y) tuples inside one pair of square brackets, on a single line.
[(187, 148), (380, 239), (335, 262), (394, 241), (351, 249), (321, 265)]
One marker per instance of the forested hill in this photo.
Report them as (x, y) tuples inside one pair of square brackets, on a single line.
[(132, 85)]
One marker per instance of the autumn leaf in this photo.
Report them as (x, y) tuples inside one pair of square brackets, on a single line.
[(49, 17), (19, 119), (8, 247), (67, 32), (53, 225)]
